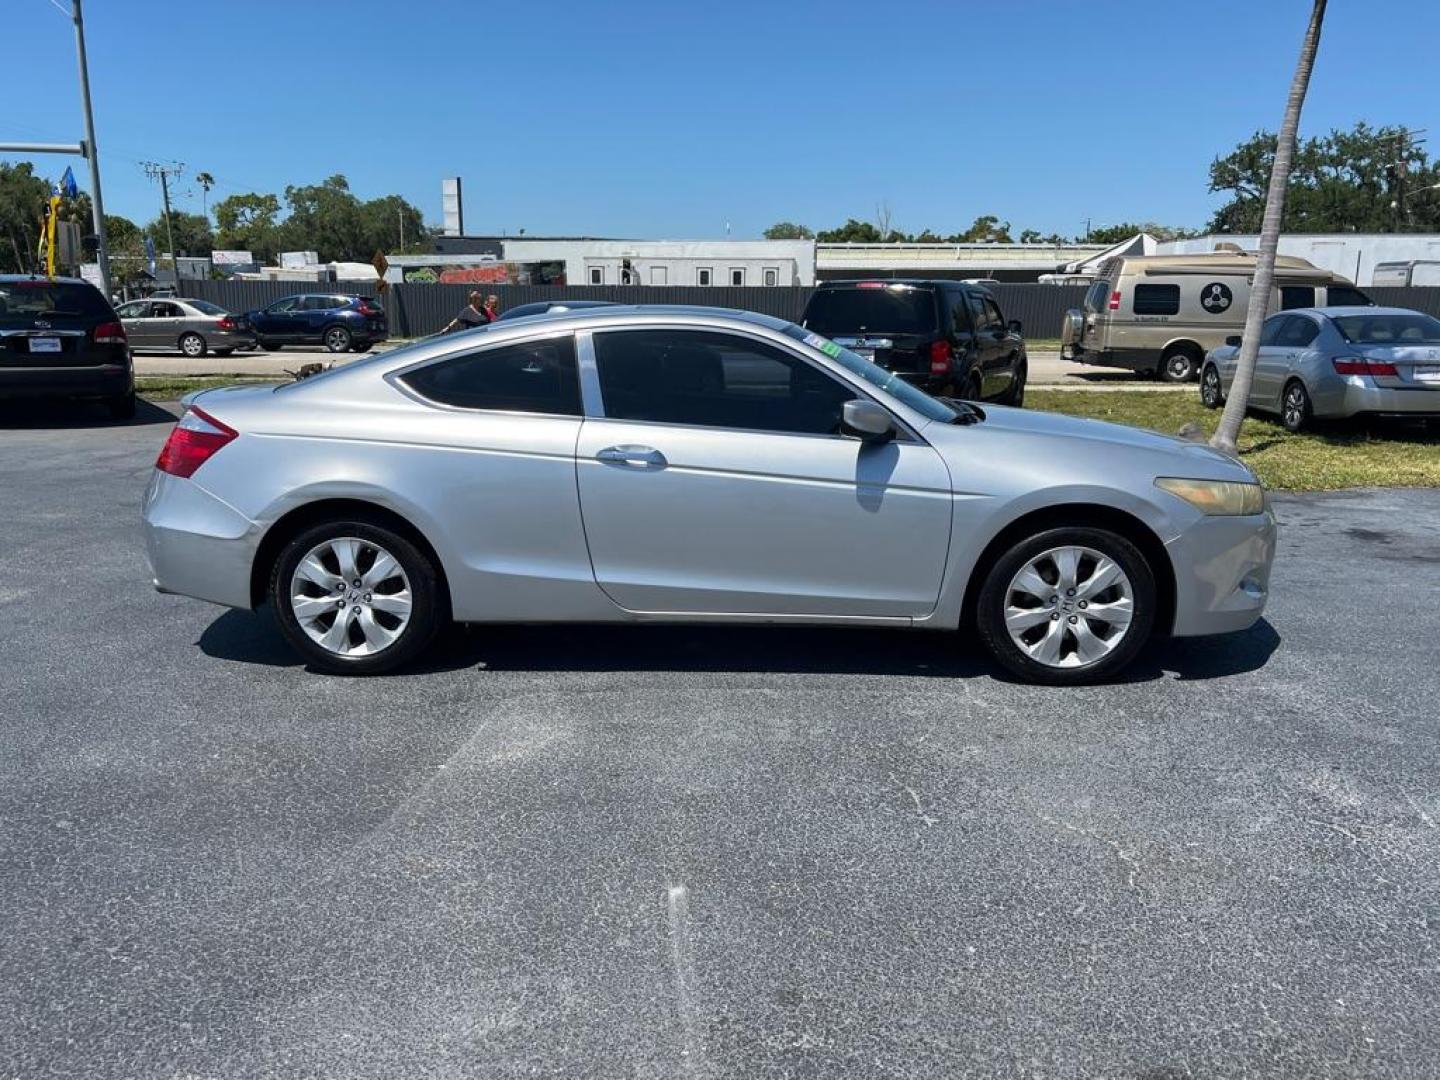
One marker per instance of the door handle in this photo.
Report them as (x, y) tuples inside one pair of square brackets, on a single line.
[(631, 455)]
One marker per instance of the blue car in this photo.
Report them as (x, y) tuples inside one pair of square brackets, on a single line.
[(338, 322)]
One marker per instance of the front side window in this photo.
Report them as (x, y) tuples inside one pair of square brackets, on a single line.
[(992, 313), (979, 313), (133, 310), (1157, 300), (712, 379), (527, 377), (280, 307)]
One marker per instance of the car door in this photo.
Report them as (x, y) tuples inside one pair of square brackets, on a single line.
[(135, 316), (718, 481), (165, 323), (989, 340), (277, 322), (1284, 359), (316, 314), (1270, 363), (998, 374)]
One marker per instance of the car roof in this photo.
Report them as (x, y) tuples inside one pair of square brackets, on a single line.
[(851, 283), (11, 279), (1330, 311), (615, 312)]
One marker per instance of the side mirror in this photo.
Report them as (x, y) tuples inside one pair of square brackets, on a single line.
[(1015, 327), (869, 421), (1233, 339)]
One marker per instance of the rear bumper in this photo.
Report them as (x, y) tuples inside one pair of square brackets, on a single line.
[(1222, 573), (197, 545), (100, 380), (1132, 359), (1346, 398)]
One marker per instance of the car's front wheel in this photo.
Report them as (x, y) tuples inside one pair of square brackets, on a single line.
[(1067, 606), (1212, 396), (193, 345), (355, 597), (1295, 408)]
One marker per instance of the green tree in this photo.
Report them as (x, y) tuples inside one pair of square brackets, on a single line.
[(23, 198), (248, 223), (327, 219), (1228, 432), (385, 220), (852, 232), (1113, 234), (986, 229), (788, 230), (191, 232), (1362, 180)]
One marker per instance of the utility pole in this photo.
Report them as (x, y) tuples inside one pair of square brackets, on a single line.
[(92, 153), (400, 214), (1399, 170), (164, 172), (1087, 230)]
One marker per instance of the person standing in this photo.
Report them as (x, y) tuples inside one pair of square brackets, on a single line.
[(492, 306), (472, 314)]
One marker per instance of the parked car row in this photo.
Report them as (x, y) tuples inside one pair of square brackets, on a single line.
[(338, 322)]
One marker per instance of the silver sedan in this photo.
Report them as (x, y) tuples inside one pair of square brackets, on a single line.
[(194, 327), (665, 464), (1335, 363)]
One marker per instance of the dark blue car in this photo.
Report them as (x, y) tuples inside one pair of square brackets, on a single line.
[(338, 322)]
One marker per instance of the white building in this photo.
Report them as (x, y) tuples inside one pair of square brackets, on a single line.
[(1002, 262), (1352, 255), (671, 262)]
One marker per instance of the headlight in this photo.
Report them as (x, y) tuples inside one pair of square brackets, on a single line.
[(1217, 497)]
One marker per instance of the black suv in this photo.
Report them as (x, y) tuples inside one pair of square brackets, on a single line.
[(338, 322), (59, 337), (947, 337)]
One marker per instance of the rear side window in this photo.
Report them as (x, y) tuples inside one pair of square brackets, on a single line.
[(1157, 300), (878, 309), (1097, 297), (1297, 332), (1271, 329), (528, 377), (36, 299), (207, 308)]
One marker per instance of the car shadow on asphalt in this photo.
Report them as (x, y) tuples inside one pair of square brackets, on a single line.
[(252, 638), (52, 415)]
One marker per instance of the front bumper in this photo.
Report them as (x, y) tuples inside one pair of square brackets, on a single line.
[(97, 380), (1222, 573), (197, 544)]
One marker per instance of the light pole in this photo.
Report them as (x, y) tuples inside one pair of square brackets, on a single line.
[(92, 152)]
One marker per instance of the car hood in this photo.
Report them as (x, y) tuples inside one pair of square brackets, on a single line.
[(1063, 443)]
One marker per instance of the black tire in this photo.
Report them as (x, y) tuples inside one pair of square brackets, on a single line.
[(1180, 364), (193, 345), (992, 602), (1015, 395), (336, 339), (366, 347), (974, 387), (122, 407), (1212, 393), (223, 352), (268, 346), (428, 606), (1295, 409)]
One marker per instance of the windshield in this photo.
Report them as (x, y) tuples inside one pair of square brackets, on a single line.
[(206, 307), (872, 308), (876, 376), (29, 299), (1411, 328)]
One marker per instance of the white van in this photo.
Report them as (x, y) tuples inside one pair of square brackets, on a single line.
[(1161, 314)]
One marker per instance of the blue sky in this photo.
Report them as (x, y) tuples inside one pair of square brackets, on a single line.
[(672, 119)]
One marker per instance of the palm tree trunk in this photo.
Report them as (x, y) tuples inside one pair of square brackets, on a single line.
[(1228, 432)]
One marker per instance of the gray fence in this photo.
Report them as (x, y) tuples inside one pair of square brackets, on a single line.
[(417, 310)]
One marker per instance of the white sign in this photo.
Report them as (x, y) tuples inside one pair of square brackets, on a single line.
[(232, 258)]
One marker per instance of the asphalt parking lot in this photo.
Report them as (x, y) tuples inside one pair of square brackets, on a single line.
[(599, 852)]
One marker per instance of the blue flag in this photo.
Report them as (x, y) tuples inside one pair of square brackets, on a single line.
[(150, 254), (67, 186)]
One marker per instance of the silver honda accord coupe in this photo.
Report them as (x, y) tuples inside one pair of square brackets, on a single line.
[(1334, 363), (669, 464)]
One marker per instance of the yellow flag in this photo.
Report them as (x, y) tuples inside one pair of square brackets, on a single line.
[(50, 235)]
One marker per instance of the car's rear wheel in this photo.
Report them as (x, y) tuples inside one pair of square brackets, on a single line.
[(1212, 395), (1179, 364), (974, 387), (1067, 606), (365, 347), (223, 352), (121, 407), (337, 339), (355, 597), (1295, 409), (193, 345)]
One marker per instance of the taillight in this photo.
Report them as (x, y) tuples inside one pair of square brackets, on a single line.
[(940, 357), (1115, 300), (195, 440), (110, 333), (366, 309), (225, 323), (1358, 365), (871, 285)]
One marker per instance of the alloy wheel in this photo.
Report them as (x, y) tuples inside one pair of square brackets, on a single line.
[(1210, 388), (351, 597), (1069, 607), (192, 345), (337, 340)]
